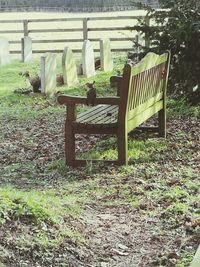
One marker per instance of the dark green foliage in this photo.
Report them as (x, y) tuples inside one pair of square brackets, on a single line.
[(177, 28)]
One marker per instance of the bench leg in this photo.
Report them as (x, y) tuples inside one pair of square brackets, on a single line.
[(69, 145), (162, 122), (122, 141)]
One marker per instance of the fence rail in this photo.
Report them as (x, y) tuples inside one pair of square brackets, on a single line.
[(59, 31)]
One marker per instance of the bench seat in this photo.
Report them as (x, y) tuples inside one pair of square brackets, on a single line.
[(100, 114), (97, 120)]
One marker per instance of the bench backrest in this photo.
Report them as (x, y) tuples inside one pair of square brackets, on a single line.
[(143, 85)]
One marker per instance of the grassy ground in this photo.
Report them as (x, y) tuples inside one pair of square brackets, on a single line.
[(146, 214)]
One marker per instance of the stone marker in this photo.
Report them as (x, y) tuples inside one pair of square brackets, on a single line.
[(26, 49), (106, 55), (4, 51), (48, 73), (88, 59), (69, 68)]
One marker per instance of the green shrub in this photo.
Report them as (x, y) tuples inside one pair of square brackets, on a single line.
[(177, 28)]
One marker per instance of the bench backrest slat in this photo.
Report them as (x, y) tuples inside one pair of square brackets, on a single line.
[(144, 81)]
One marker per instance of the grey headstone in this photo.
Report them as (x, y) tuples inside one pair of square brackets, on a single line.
[(26, 49), (106, 55), (4, 51), (69, 68), (48, 73), (88, 59)]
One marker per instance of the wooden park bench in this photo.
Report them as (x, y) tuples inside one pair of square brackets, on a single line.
[(142, 94)]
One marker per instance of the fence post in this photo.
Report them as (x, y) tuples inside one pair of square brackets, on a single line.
[(85, 29), (147, 39), (137, 43), (25, 24)]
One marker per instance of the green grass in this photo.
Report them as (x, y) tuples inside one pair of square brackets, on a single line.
[(10, 78), (42, 200), (24, 107), (181, 109), (187, 257), (41, 211), (39, 208), (139, 150)]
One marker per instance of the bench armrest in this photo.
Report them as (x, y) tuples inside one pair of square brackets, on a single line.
[(107, 100), (70, 100), (73, 100)]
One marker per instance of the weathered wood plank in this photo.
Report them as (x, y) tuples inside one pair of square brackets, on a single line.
[(93, 114), (148, 63), (85, 29), (55, 20), (109, 116), (132, 113), (40, 41), (78, 40), (110, 29), (69, 100), (116, 18), (143, 116), (14, 42), (99, 115), (56, 30), (85, 114), (12, 21), (57, 41), (37, 51), (12, 31), (25, 27)]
